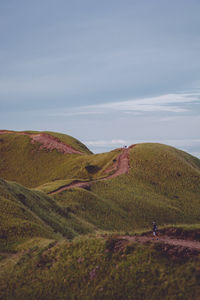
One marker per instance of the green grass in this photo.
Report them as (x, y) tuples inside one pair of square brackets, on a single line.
[(88, 268), (67, 139), (51, 246), (26, 214), (163, 184), (52, 186), (25, 163)]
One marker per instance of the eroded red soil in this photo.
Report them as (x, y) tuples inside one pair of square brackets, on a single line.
[(165, 240), (47, 141), (175, 249)]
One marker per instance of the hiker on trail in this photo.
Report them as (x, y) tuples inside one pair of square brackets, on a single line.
[(155, 229)]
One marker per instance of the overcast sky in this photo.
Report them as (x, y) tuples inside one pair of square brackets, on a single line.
[(107, 72)]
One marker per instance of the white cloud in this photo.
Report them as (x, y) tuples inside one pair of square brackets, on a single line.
[(106, 143), (197, 154), (171, 103), (188, 145), (168, 103)]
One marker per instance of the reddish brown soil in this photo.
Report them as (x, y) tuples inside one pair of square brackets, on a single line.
[(47, 141), (50, 142), (178, 233), (195, 245), (121, 166), (175, 249)]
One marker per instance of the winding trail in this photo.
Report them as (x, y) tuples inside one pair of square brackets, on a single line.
[(121, 166), (194, 245)]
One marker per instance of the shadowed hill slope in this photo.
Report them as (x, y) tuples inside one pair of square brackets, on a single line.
[(25, 214)]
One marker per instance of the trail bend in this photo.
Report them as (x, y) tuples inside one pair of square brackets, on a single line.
[(120, 167)]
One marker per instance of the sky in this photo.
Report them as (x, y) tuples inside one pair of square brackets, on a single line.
[(109, 73)]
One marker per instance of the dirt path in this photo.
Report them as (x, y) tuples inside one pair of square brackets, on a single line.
[(121, 166), (194, 245), (47, 141)]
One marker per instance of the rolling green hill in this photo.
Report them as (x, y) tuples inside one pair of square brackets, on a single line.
[(32, 164), (162, 183), (26, 214), (51, 245)]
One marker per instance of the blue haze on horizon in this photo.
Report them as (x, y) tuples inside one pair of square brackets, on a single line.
[(106, 72)]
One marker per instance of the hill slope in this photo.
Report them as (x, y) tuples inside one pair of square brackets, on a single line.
[(39, 259), (162, 183), (35, 158), (94, 268), (26, 214)]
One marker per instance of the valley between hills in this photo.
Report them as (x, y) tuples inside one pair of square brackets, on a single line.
[(77, 225)]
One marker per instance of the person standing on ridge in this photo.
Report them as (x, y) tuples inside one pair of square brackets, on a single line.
[(155, 229)]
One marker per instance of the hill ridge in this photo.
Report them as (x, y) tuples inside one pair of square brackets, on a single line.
[(121, 166), (47, 141)]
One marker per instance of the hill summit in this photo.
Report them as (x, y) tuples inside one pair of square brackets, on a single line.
[(75, 225), (119, 190)]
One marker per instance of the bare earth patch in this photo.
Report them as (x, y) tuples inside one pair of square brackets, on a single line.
[(47, 141), (195, 245), (50, 142), (175, 249)]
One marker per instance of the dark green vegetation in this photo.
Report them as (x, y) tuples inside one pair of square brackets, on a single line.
[(26, 214), (89, 268), (39, 257)]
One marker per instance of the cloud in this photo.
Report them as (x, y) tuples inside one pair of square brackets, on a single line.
[(188, 145), (73, 113), (197, 154), (169, 103), (107, 143), (174, 142)]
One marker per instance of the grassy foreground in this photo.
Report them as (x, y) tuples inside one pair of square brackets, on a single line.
[(89, 268)]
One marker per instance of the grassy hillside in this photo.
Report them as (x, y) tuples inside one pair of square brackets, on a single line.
[(28, 164), (26, 214), (163, 184), (43, 253), (67, 139), (91, 268)]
